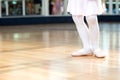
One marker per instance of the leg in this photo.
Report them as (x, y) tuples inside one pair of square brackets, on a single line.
[(94, 35), (83, 33), (93, 31)]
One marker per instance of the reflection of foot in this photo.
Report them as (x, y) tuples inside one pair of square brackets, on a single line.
[(98, 53), (83, 52)]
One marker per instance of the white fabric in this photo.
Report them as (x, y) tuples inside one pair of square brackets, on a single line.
[(84, 7), (89, 36), (93, 31), (82, 30)]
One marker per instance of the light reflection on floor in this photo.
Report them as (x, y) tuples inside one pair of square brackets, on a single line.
[(43, 52)]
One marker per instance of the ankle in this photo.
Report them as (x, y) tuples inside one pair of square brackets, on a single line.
[(96, 49), (86, 48)]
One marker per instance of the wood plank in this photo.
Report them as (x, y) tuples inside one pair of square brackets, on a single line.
[(43, 52)]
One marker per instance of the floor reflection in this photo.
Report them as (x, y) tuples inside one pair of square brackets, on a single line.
[(43, 52)]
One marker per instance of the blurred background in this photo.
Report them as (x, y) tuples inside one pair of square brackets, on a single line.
[(46, 7)]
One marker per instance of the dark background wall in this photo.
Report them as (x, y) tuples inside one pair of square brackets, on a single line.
[(50, 19)]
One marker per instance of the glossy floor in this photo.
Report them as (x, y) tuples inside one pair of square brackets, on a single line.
[(43, 52)]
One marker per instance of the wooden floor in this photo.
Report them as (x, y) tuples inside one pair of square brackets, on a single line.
[(43, 52)]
